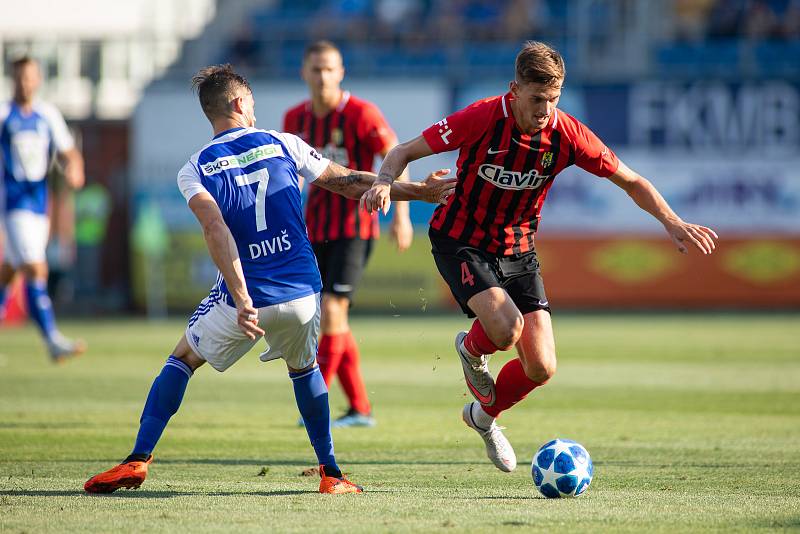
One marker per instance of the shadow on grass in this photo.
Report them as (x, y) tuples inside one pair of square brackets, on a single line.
[(506, 498), (246, 462), (232, 461), (159, 494)]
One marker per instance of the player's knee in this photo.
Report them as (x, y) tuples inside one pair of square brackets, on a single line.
[(334, 306), (509, 332), (541, 369), (34, 271)]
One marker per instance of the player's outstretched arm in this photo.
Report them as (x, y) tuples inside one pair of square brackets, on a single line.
[(378, 197), (352, 184), (223, 251), (650, 200)]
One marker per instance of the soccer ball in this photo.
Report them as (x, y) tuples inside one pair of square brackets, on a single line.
[(562, 468)]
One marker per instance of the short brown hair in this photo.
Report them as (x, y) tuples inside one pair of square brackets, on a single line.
[(216, 86), (22, 61), (318, 47), (539, 63)]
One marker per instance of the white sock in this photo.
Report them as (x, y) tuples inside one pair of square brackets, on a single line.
[(481, 418)]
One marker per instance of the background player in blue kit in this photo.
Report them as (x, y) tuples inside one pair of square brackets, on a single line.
[(243, 188), (31, 132)]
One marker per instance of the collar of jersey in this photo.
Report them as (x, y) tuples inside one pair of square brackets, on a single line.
[(229, 130)]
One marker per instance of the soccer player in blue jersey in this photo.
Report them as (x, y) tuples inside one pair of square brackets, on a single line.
[(243, 188), (31, 132)]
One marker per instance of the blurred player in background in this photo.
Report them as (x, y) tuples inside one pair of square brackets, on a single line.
[(351, 132), (243, 187), (31, 132), (510, 149)]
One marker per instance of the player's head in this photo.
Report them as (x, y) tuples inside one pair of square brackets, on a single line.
[(323, 70), (27, 78), (224, 94), (537, 83)]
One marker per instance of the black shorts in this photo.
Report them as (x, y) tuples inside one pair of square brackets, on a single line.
[(341, 264), (468, 271)]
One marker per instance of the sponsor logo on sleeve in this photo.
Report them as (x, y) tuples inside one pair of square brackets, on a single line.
[(444, 131)]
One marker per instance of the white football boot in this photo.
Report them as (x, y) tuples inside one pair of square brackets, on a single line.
[(498, 448), (476, 373)]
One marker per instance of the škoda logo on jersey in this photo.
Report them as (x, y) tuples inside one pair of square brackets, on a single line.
[(511, 179), (242, 160)]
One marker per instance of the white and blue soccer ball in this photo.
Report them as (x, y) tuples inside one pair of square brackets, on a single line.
[(562, 468)]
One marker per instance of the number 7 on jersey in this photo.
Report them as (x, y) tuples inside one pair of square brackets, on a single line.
[(262, 177)]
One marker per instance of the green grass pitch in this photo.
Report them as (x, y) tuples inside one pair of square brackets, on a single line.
[(693, 423)]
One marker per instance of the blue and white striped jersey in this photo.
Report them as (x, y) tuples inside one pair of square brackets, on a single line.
[(252, 174), (27, 144)]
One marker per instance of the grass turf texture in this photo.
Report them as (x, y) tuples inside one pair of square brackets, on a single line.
[(693, 423)]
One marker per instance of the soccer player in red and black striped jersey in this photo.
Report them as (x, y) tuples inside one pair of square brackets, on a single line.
[(351, 132), (511, 147)]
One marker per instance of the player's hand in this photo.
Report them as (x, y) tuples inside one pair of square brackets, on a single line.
[(376, 198), (247, 318), (685, 234), (74, 177), (401, 232), (436, 189)]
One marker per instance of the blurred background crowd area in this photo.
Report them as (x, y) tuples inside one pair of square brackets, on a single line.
[(460, 37), (700, 96), (97, 62)]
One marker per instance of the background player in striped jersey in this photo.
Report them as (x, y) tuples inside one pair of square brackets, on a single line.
[(31, 132), (243, 188), (351, 132), (510, 149)]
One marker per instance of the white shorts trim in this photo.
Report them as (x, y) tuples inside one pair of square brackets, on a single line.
[(25, 235), (292, 331)]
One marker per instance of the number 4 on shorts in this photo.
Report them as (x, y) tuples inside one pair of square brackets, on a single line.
[(466, 276)]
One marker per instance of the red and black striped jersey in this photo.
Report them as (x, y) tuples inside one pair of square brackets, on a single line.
[(351, 135), (504, 175)]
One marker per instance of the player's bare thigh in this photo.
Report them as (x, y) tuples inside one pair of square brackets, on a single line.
[(185, 354), (334, 314), (499, 316), (537, 347)]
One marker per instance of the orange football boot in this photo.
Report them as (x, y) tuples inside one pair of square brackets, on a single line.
[(128, 475), (335, 485)]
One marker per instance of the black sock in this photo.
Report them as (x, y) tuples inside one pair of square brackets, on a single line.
[(136, 458), (332, 471)]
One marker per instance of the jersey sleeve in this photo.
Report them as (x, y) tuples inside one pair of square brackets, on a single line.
[(454, 130), (592, 155), (62, 139), (189, 181), (310, 163), (376, 131)]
